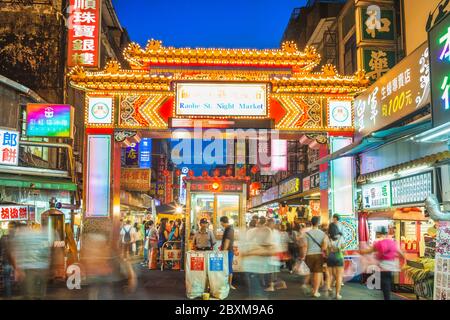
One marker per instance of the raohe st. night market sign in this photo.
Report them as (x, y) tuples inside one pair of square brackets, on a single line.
[(439, 42), (399, 92)]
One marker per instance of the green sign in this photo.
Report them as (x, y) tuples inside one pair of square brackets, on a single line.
[(377, 62), (377, 23), (439, 43)]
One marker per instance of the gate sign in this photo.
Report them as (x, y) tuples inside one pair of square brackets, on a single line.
[(9, 147), (225, 100), (401, 91), (216, 262), (439, 41), (13, 213), (100, 110), (84, 33), (49, 120)]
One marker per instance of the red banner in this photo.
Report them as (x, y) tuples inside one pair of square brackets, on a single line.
[(84, 33), (13, 213)]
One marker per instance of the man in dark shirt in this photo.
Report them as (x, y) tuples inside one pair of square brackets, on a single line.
[(227, 245), (7, 260)]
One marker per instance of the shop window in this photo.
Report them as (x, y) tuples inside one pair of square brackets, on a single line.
[(227, 205)]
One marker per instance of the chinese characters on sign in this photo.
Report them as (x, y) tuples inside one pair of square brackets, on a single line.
[(135, 179), (401, 91), (145, 153), (439, 41), (49, 120), (212, 187), (339, 113), (131, 155), (378, 24), (289, 187), (84, 33), (376, 196), (412, 189), (9, 147), (378, 62), (13, 213)]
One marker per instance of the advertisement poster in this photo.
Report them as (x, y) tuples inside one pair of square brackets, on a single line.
[(49, 120), (442, 267), (376, 195)]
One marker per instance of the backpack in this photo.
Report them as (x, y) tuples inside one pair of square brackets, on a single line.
[(127, 236)]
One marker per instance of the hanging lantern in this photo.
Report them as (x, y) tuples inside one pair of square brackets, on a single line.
[(229, 172), (204, 173), (216, 173), (166, 173), (255, 169), (178, 172), (191, 173)]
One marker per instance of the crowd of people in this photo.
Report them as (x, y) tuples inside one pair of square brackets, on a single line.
[(147, 239), (270, 246)]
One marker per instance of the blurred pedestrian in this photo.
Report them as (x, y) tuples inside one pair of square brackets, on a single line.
[(256, 255), (146, 243), (293, 248), (227, 245), (276, 259), (136, 239), (326, 279), (387, 253), (7, 261), (315, 244), (335, 260), (152, 245), (127, 235), (31, 251)]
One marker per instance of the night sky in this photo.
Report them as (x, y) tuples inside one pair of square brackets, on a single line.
[(255, 24)]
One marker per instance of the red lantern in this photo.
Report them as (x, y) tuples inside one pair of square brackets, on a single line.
[(204, 173), (255, 169), (166, 172), (216, 172), (178, 172), (229, 172), (191, 173)]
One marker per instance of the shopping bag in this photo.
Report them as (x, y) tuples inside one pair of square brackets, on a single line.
[(301, 269), (195, 274), (218, 275)]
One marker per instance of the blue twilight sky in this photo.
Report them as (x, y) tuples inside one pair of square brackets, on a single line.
[(255, 24)]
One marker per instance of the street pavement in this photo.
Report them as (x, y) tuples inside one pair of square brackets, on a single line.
[(170, 285)]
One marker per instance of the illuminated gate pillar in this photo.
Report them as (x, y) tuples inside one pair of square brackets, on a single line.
[(101, 189)]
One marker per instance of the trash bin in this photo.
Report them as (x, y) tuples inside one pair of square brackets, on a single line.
[(218, 274), (195, 274)]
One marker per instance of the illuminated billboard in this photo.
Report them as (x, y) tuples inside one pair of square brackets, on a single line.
[(221, 99), (49, 120)]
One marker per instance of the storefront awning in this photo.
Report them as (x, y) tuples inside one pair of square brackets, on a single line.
[(412, 215), (37, 182), (374, 140), (428, 160)]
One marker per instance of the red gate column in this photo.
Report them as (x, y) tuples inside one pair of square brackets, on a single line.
[(323, 169)]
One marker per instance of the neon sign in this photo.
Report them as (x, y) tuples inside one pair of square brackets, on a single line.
[(439, 42)]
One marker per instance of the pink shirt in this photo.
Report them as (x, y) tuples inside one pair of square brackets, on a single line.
[(386, 249)]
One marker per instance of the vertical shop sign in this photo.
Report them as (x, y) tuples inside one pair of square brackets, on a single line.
[(145, 153), (9, 147), (84, 33), (131, 155), (439, 42), (377, 23)]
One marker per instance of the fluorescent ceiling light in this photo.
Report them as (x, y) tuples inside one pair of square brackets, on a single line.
[(435, 135)]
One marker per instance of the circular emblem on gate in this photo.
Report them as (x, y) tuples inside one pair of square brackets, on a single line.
[(340, 114), (100, 110)]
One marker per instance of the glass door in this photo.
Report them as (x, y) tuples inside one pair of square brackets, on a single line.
[(227, 205)]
